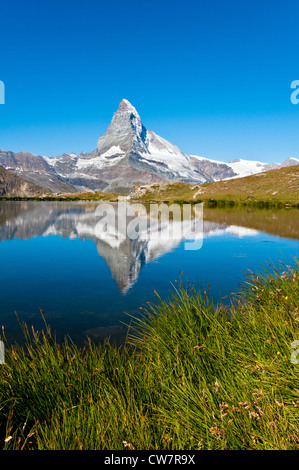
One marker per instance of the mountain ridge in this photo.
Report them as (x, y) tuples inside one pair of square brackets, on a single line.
[(13, 185)]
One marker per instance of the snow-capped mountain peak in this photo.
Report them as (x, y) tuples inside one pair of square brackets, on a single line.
[(126, 106), (290, 161), (125, 130), (150, 157)]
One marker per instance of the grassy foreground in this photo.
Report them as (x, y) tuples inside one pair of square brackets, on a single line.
[(192, 376)]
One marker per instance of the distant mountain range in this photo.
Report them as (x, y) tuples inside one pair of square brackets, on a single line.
[(127, 155), (237, 168)]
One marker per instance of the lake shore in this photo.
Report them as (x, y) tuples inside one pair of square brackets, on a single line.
[(274, 188), (262, 204), (192, 375)]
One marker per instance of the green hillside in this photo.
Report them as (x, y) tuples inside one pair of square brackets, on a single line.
[(274, 187)]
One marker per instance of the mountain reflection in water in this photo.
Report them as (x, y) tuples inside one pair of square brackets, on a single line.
[(228, 236), (124, 257)]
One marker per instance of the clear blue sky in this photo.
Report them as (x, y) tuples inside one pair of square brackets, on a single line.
[(213, 77)]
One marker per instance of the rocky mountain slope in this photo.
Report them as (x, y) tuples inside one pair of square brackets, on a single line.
[(13, 185), (35, 169)]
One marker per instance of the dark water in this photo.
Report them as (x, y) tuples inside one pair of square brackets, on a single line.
[(51, 258)]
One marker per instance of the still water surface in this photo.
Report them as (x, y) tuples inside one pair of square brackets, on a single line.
[(52, 259)]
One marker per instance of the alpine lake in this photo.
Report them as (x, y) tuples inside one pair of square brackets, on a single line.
[(53, 259)]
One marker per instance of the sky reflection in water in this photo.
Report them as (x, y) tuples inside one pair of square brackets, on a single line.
[(51, 259)]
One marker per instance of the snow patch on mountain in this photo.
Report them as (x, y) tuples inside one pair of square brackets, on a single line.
[(207, 159), (162, 153), (246, 167), (290, 162), (110, 157)]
